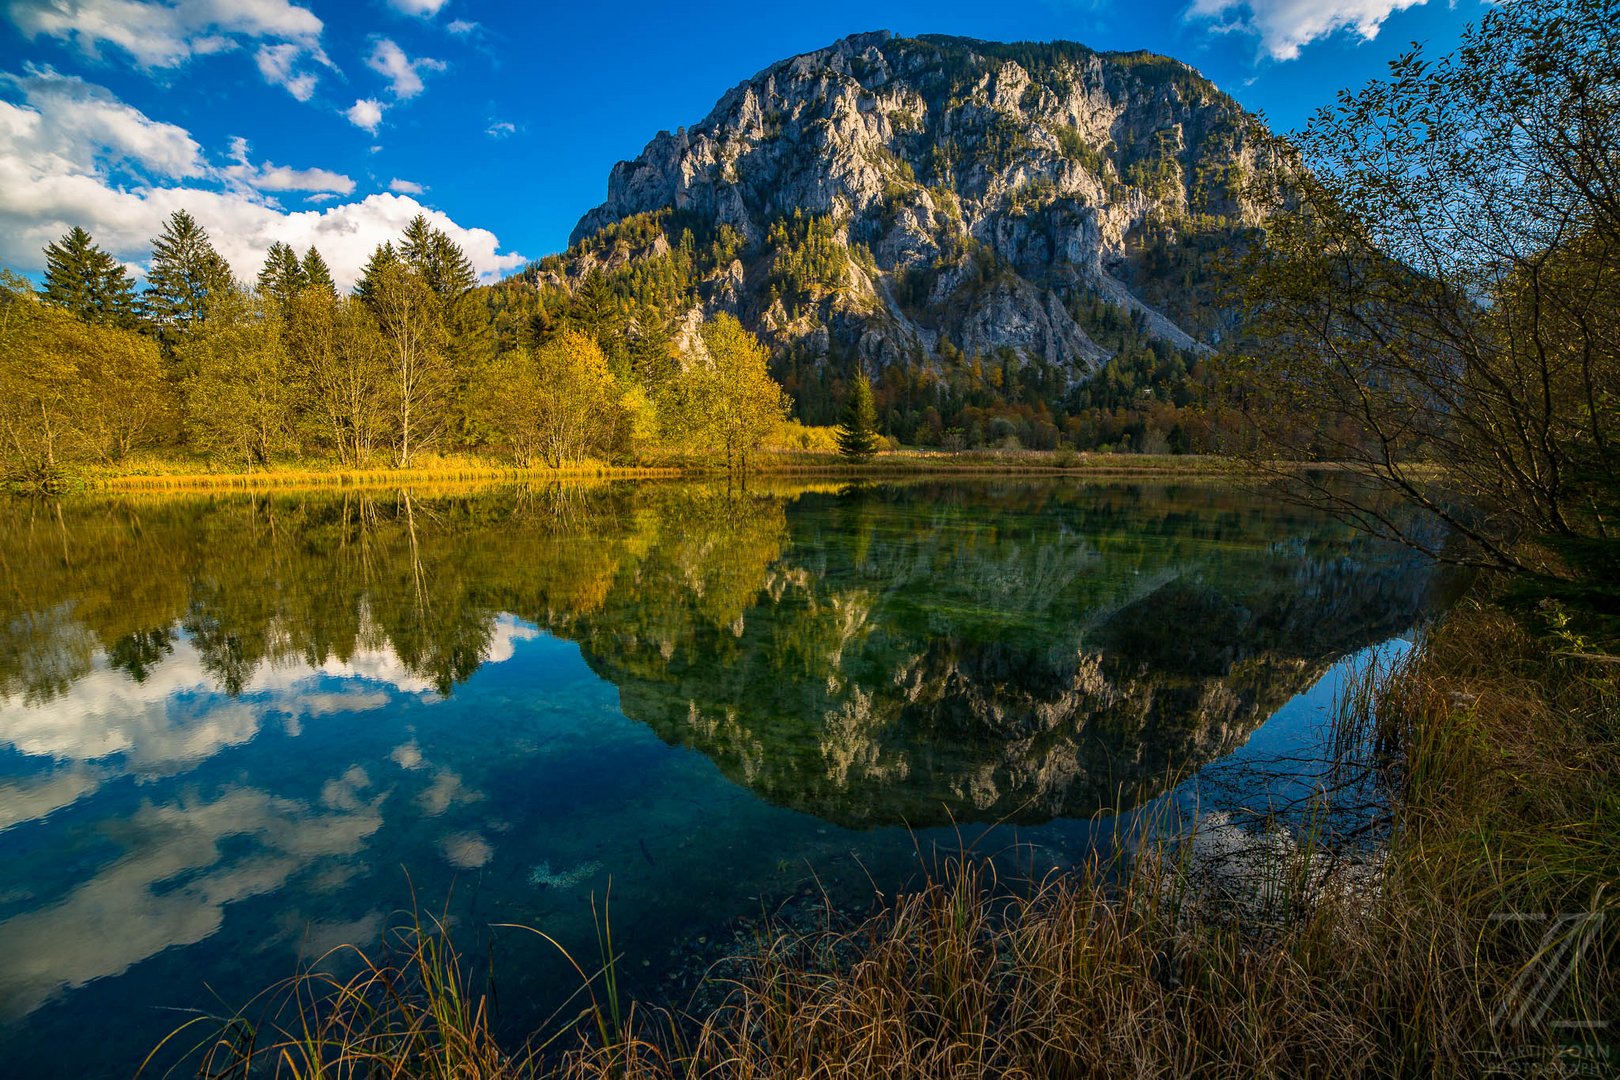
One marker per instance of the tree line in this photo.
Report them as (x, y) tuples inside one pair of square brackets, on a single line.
[(287, 367)]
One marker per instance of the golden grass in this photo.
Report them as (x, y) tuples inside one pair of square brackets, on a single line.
[(165, 474)]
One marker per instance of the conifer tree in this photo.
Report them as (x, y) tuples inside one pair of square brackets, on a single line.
[(317, 275), (186, 275), (87, 281), (383, 259), (595, 311), (282, 276), (857, 433), (437, 258)]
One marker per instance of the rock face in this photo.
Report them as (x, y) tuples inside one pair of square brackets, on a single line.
[(976, 197)]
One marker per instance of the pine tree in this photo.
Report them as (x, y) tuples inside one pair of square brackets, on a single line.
[(87, 281), (317, 275), (857, 433), (282, 276), (186, 275)]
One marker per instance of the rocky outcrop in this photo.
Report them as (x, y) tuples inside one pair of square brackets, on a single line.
[(983, 195)]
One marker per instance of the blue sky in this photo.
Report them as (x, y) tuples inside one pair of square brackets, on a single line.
[(334, 123)]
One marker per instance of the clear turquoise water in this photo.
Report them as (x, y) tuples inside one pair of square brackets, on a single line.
[(237, 731)]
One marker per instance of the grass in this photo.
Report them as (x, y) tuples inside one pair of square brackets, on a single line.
[(156, 473), (1500, 755)]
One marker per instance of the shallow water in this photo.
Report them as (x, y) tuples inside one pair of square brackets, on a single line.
[(235, 731)]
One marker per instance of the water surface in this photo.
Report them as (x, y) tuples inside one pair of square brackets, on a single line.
[(230, 727)]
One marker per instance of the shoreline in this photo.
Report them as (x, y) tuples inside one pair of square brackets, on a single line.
[(161, 476)]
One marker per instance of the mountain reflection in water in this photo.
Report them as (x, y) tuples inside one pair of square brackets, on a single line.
[(269, 704)]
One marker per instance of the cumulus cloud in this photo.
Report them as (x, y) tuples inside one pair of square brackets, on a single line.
[(158, 34), (404, 75), (281, 178), (1285, 26), (365, 113), (405, 187), (67, 122), (72, 154), (423, 8), (272, 177)]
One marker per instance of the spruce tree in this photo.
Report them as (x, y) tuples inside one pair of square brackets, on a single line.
[(317, 275), (282, 276), (857, 433), (87, 281), (383, 259), (442, 264), (187, 274)]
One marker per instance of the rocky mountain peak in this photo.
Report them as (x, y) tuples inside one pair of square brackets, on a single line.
[(937, 197)]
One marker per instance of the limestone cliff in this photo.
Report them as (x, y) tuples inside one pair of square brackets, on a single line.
[(889, 198)]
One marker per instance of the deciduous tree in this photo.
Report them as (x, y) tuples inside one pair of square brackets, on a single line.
[(1439, 306), (242, 395), (557, 404), (342, 360), (409, 315)]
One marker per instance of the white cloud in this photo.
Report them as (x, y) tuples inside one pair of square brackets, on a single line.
[(404, 74), (184, 863), (422, 8), (165, 35), (405, 187), (268, 177), (271, 177), (461, 26), (71, 154), (1285, 26), (500, 129), (67, 121), (282, 178), (365, 113), (278, 65)]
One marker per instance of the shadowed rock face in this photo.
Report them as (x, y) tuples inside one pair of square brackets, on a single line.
[(898, 655), (979, 192)]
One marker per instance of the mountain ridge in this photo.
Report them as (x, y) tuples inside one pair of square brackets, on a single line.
[(927, 203)]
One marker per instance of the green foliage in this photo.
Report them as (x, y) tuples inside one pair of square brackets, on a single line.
[(316, 273), (558, 404), (1075, 148), (88, 281), (410, 318), (436, 259), (185, 278), (71, 391), (242, 395), (342, 367), (808, 263), (857, 434), (1439, 308), (729, 405), (282, 276)]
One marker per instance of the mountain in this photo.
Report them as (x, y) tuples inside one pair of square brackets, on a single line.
[(936, 207)]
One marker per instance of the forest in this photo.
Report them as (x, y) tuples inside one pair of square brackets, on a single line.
[(247, 375)]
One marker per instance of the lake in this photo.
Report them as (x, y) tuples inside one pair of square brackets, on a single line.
[(239, 730)]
